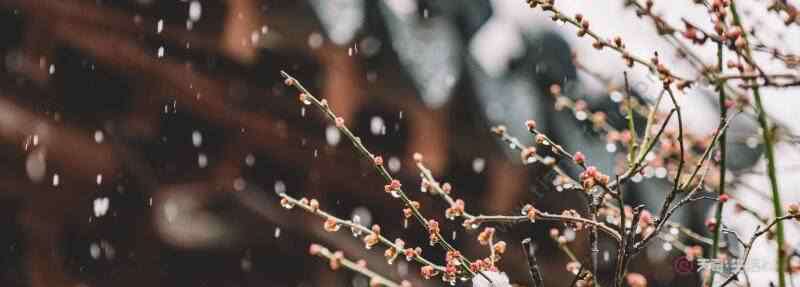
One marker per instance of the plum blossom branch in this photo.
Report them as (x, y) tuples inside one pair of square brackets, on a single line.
[(530, 214), (337, 260), (372, 238), (393, 186)]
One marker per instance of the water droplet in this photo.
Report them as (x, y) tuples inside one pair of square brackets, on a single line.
[(246, 264), (402, 268), (362, 215), (287, 204), (315, 40), (94, 251), (355, 230), (377, 126), (36, 165), (170, 211), (250, 160), (332, 135), (202, 160), (569, 234), (98, 136), (478, 164), (280, 187), (100, 206), (611, 147), (197, 138), (159, 26), (394, 164), (195, 10), (581, 115)]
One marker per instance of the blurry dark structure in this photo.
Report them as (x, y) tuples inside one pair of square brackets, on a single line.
[(141, 140)]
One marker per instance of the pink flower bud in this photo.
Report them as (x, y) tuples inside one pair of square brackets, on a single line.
[(579, 158)]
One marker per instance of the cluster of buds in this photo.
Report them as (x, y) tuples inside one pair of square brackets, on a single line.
[(304, 98), (486, 236), (572, 224), (393, 186), (447, 188), (592, 177), (455, 210), (451, 269), (794, 210), (530, 212), (480, 265), (743, 68), (499, 130), (628, 59), (336, 260), (545, 4), (373, 237), (663, 73), (646, 223), (428, 272), (433, 230), (499, 247), (579, 158), (286, 203), (573, 267), (391, 253), (331, 225), (527, 154), (410, 253), (691, 33), (584, 25), (720, 9), (314, 205), (792, 13)]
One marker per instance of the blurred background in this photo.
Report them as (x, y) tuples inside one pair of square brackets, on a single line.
[(142, 141)]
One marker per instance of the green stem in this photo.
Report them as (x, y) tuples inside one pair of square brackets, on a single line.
[(770, 154), (723, 110)]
